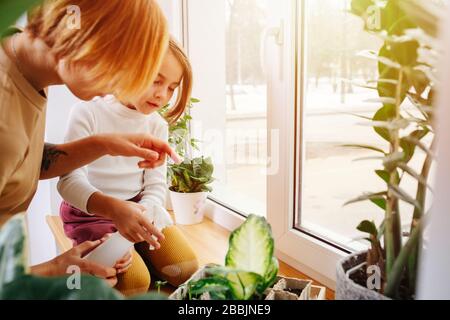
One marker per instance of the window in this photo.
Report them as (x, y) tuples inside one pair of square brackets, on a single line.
[(333, 51), (277, 79), (237, 140)]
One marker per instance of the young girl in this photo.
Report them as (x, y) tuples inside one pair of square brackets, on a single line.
[(103, 192)]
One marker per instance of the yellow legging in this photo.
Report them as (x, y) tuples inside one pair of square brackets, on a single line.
[(174, 262)]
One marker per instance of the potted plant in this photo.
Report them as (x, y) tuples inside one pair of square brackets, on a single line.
[(406, 73), (189, 187), (189, 181), (180, 137), (250, 271)]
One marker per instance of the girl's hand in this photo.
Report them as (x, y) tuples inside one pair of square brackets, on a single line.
[(131, 222), (59, 266), (124, 264)]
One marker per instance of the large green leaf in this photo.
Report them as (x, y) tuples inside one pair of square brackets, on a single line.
[(385, 113), (40, 288), (251, 246), (11, 10), (13, 249), (391, 14), (216, 286), (270, 277), (390, 75), (243, 284)]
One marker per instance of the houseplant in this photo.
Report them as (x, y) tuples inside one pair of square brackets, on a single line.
[(188, 181), (250, 270), (180, 137), (406, 73), (16, 283), (189, 186)]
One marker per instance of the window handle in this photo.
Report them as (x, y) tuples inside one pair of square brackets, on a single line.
[(278, 34)]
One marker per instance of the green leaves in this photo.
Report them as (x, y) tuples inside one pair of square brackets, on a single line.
[(251, 246), (386, 113), (368, 227), (11, 10), (13, 245), (406, 69), (250, 267), (191, 175)]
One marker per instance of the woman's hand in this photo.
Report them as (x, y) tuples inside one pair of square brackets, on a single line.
[(74, 257), (124, 264), (58, 160), (145, 146)]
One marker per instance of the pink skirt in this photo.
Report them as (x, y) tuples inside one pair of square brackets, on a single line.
[(80, 226)]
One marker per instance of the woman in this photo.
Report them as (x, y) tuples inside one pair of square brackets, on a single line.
[(93, 60)]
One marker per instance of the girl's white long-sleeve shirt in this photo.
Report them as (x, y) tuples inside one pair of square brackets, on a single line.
[(119, 177)]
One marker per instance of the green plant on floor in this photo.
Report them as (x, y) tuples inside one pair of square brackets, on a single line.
[(250, 267), (191, 176), (159, 284), (406, 90), (17, 284)]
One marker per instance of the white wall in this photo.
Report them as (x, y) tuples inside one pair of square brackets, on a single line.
[(172, 10), (47, 199), (434, 278), (207, 55)]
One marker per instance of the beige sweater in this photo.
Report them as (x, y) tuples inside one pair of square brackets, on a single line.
[(22, 130)]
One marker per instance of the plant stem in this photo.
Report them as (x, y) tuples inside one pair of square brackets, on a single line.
[(392, 235), (422, 187), (417, 215), (395, 276)]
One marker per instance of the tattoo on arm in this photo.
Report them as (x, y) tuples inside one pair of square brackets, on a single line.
[(50, 156)]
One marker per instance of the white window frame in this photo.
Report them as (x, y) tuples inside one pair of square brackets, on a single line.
[(308, 254)]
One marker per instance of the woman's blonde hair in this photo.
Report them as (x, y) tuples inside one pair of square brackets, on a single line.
[(185, 89), (122, 43)]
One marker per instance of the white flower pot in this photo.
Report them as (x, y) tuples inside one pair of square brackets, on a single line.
[(110, 251), (188, 207)]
